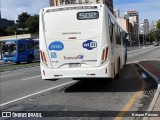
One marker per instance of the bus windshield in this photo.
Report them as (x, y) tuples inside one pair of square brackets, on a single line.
[(9, 49)]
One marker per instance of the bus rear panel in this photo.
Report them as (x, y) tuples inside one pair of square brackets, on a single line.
[(72, 42)]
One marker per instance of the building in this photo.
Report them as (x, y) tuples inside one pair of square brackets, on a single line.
[(133, 17), (144, 29), (132, 13), (141, 28), (126, 16), (146, 26), (109, 3), (116, 13), (127, 27)]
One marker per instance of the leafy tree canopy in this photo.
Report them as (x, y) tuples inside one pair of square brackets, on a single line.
[(22, 18), (158, 24), (32, 23)]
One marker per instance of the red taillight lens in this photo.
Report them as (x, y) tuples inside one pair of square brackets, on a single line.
[(104, 55), (43, 57), (41, 54)]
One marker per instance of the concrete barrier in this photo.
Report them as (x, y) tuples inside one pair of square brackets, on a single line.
[(34, 36)]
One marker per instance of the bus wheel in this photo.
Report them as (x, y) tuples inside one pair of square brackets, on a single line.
[(30, 59), (118, 74), (124, 64), (17, 62)]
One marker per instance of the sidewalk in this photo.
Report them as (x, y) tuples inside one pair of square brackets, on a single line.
[(153, 69)]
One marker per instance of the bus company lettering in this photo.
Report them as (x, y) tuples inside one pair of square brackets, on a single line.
[(56, 45), (74, 58), (89, 44)]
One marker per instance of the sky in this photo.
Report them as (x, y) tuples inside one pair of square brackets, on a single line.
[(148, 9)]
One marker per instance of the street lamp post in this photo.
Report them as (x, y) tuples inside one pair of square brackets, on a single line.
[(139, 39)]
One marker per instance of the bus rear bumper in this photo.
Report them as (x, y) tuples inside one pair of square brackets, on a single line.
[(104, 71)]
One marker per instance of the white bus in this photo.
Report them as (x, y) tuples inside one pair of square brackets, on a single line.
[(80, 41)]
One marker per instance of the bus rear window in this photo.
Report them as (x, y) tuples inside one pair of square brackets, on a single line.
[(89, 20)]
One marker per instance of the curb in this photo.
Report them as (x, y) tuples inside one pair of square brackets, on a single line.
[(157, 91)]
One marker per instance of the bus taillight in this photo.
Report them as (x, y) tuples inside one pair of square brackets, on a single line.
[(104, 55), (43, 57)]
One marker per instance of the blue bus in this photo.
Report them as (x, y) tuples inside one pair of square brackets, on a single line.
[(20, 50)]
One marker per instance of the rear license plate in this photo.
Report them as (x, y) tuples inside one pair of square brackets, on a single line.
[(73, 65)]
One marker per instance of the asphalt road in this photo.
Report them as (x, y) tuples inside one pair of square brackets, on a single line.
[(148, 53), (24, 90)]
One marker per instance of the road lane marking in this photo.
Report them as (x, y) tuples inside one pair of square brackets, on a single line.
[(140, 52), (32, 77), (134, 97), (19, 69), (10, 74), (6, 103)]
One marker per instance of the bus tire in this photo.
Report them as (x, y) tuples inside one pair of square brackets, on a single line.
[(124, 63), (118, 74), (17, 62), (30, 59)]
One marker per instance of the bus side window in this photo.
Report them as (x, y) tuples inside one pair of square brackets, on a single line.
[(111, 27), (21, 47), (36, 45), (118, 36), (30, 45)]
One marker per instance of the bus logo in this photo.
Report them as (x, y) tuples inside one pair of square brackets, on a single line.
[(56, 45), (89, 44), (80, 57)]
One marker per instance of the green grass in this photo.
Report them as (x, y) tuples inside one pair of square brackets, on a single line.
[(18, 66)]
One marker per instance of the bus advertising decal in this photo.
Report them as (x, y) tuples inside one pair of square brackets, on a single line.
[(89, 44), (74, 58), (53, 55), (89, 60), (56, 45)]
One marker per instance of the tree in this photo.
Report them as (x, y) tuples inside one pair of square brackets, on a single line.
[(32, 23), (158, 30), (11, 30), (3, 32), (158, 24), (22, 18)]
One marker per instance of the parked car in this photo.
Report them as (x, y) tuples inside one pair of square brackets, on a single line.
[(156, 44)]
